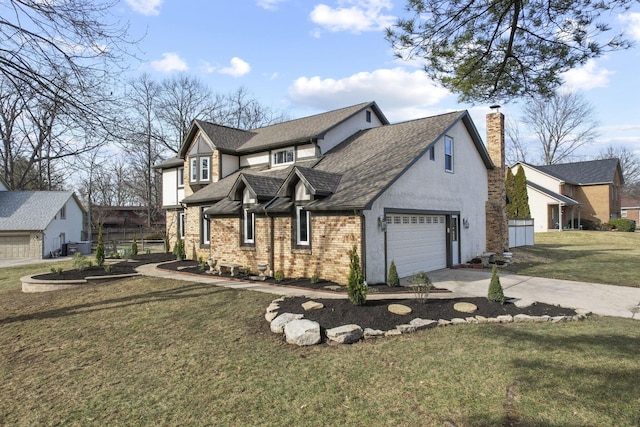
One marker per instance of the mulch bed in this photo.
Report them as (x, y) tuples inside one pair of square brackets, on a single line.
[(375, 314), (192, 267), (122, 267)]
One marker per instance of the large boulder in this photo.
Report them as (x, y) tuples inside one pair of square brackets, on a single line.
[(345, 334), (302, 332), (278, 324)]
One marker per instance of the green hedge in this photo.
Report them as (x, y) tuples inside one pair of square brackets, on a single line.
[(622, 224)]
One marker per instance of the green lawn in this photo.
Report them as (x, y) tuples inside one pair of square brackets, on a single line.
[(148, 351), (590, 256)]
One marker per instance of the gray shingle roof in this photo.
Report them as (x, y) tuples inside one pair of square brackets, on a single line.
[(30, 210), (373, 159), (583, 173), (173, 162), (357, 171), (263, 186), (559, 197), (224, 207)]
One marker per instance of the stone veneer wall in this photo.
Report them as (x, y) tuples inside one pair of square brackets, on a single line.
[(332, 237), (171, 217), (496, 212)]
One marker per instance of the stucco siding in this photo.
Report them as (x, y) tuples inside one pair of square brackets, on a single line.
[(427, 187), (255, 159), (539, 178), (169, 187), (229, 165)]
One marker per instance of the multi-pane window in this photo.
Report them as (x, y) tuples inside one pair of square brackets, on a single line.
[(302, 220), (63, 212), (204, 169), (283, 157), (448, 154), (194, 169)]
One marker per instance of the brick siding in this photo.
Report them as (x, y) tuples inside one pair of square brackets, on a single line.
[(496, 211)]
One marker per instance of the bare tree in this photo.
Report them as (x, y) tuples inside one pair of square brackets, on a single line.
[(516, 149), (242, 111), (628, 163), (63, 50), (562, 124), (181, 100)]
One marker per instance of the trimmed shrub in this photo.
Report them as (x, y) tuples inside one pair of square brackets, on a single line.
[(623, 224), (586, 224), (496, 293), (100, 249), (356, 288), (178, 249), (392, 277), (279, 276), (134, 246), (80, 262), (421, 286)]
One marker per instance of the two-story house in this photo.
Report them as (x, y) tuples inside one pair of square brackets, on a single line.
[(299, 195), (562, 195)]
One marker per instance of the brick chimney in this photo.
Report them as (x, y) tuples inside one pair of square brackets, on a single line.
[(496, 209)]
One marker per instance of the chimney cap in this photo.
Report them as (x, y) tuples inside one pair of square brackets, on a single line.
[(495, 107)]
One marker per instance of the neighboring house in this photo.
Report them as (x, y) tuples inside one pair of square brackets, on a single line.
[(300, 194), (125, 221), (562, 195), (630, 209), (35, 224)]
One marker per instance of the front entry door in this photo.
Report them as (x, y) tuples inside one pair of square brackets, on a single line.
[(455, 240)]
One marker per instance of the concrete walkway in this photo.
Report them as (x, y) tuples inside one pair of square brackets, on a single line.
[(605, 300)]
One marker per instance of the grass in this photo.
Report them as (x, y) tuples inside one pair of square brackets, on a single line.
[(10, 276), (589, 256), (146, 351)]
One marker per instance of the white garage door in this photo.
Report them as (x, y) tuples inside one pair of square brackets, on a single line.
[(416, 243), (14, 246)]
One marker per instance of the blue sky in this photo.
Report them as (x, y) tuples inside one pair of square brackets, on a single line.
[(309, 56)]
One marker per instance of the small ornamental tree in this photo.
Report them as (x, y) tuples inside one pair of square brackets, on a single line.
[(100, 249), (392, 277), (496, 293), (134, 246), (356, 287)]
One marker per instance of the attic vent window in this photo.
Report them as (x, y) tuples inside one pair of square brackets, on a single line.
[(368, 116), (283, 157)]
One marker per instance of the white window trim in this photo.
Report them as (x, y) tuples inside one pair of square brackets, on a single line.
[(274, 153), (203, 169), (193, 173), (63, 212), (299, 210), (248, 216), (181, 225), (448, 155), (205, 224)]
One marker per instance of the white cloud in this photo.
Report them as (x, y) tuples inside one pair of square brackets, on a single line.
[(632, 21), (402, 95), (587, 77), (170, 62), (355, 16), (145, 7), (238, 68), (269, 4)]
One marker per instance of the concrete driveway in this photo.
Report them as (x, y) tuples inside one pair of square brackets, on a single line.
[(605, 300), (16, 262)]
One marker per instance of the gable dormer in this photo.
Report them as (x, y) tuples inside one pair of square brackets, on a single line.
[(199, 161)]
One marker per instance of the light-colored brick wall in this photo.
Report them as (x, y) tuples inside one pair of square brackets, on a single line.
[(172, 227), (496, 212), (595, 201), (332, 237)]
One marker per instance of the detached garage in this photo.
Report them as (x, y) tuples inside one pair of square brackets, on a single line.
[(416, 243), (35, 224)]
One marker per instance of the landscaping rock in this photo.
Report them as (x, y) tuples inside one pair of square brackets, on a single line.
[(406, 329), (399, 309), (482, 319), (472, 320), (507, 318), (443, 322), (345, 334), (558, 319), (522, 303), (522, 318), (302, 332), (372, 333), (278, 324), (392, 332), (421, 323), (270, 315), (541, 319), (465, 307), (458, 321), (274, 306), (312, 305)]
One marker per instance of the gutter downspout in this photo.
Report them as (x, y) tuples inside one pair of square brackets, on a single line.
[(363, 239)]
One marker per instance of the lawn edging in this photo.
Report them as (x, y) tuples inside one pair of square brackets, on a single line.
[(31, 285)]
